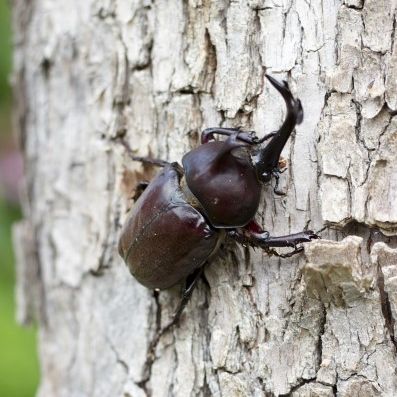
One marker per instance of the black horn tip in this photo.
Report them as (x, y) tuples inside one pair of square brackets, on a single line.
[(294, 105), (274, 82), (281, 86)]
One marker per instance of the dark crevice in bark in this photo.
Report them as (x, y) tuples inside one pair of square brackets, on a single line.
[(323, 321), (257, 9), (371, 235), (46, 65), (141, 17), (228, 371), (147, 64), (187, 90), (335, 389), (118, 358), (354, 7), (386, 307), (301, 383), (393, 34), (211, 63), (263, 387), (361, 141), (104, 14)]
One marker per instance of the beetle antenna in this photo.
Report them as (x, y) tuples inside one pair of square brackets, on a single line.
[(268, 157)]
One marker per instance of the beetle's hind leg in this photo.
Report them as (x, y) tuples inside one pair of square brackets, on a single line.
[(191, 284)]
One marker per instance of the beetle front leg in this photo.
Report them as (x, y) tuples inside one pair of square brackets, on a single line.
[(254, 236)]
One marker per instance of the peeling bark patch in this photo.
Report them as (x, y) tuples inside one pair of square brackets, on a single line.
[(385, 258), (343, 331), (334, 272), (363, 64)]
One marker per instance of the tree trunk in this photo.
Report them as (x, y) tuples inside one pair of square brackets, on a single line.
[(319, 324)]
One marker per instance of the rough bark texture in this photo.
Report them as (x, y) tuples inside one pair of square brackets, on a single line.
[(321, 324)]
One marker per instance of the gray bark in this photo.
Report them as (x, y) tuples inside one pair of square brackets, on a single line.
[(321, 324)]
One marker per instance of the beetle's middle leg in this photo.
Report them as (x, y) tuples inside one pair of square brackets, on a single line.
[(253, 235)]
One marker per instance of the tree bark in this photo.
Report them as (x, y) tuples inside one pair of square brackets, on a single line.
[(157, 73)]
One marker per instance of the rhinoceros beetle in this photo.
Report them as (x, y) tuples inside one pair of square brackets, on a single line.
[(183, 215)]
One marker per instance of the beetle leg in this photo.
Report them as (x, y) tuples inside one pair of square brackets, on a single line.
[(254, 236), (143, 159), (208, 134), (275, 190), (246, 136), (191, 284), (267, 136)]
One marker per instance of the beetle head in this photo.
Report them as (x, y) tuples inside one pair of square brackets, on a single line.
[(225, 176), (266, 158)]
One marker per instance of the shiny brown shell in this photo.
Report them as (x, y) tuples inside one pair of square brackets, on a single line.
[(164, 238)]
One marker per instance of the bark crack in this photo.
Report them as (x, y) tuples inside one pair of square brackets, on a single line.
[(301, 383), (386, 306)]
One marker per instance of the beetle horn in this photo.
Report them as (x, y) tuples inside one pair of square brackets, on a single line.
[(268, 157)]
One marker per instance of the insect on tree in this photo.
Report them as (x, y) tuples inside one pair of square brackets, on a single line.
[(182, 216)]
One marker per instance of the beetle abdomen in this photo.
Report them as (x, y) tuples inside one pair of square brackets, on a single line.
[(165, 239)]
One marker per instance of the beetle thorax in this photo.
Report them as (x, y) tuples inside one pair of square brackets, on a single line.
[(189, 196)]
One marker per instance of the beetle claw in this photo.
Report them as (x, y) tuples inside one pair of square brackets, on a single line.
[(311, 235)]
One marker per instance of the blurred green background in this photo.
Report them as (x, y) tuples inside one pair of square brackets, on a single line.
[(19, 372)]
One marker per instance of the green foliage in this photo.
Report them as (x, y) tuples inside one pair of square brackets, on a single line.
[(18, 357), (19, 371)]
